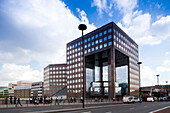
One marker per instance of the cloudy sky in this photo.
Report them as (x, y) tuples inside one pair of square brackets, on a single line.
[(34, 33)]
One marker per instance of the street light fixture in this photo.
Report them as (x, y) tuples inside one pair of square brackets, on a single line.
[(83, 27), (158, 79), (139, 63)]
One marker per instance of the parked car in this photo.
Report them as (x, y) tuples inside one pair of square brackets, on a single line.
[(150, 99), (130, 99), (163, 98)]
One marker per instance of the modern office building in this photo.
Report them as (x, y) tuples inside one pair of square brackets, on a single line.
[(55, 79), (24, 83), (37, 89), (107, 50)]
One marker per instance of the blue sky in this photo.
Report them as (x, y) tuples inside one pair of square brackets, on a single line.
[(34, 33)]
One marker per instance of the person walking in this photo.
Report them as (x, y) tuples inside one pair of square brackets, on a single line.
[(10, 99), (56, 100), (18, 102), (15, 99)]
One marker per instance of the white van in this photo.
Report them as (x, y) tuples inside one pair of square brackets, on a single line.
[(130, 99)]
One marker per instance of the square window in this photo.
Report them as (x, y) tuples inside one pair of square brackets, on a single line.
[(105, 45), (96, 36), (92, 49), (88, 50), (79, 43), (85, 40), (92, 37), (85, 46), (89, 45), (110, 36), (101, 46), (92, 43), (109, 30), (110, 43), (105, 38), (97, 48), (100, 40), (88, 39), (85, 51), (96, 41), (100, 34), (105, 32)]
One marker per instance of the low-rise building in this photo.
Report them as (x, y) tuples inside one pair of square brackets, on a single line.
[(22, 91), (37, 89)]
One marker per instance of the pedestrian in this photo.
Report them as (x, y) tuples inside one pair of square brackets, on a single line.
[(81, 98), (30, 100), (56, 100), (61, 100), (15, 99), (18, 102), (51, 99), (10, 99)]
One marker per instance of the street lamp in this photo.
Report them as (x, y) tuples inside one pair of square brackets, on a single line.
[(158, 79), (83, 27), (139, 63)]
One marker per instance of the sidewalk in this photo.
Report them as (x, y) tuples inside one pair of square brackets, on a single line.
[(52, 104)]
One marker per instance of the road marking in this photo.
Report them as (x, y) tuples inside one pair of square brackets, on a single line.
[(159, 109), (87, 112), (145, 106), (109, 112), (132, 108)]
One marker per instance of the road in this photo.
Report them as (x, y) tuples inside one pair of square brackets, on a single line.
[(131, 108), (95, 108)]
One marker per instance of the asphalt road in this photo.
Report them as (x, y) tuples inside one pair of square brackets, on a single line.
[(145, 107), (45, 108), (131, 108)]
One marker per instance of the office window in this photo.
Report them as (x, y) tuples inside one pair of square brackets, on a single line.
[(93, 49), (105, 45), (85, 40), (97, 48), (89, 45), (75, 45), (92, 38), (85, 51), (88, 50), (88, 39), (110, 36), (100, 34), (105, 32), (96, 41), (100, 40), (110, 43), (96, 36), (109, 30), (92, 43), (78, 43), (105, 38), (101, 46), (85, 46)]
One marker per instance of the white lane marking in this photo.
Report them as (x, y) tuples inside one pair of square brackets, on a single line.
[(109, 112), (87, 112), (159, 109), (132, 108), (145, 106)]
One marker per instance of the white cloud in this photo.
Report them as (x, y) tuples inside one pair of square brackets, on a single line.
[(165, 67), (147, 76), (13, 73), (42, 29)]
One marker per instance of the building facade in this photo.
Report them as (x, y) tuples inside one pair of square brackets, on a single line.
[(22, 91), (55, 78), (105, 50), (37, 89)]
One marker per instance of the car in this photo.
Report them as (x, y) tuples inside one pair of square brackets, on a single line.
[(150, 99), (130, 99)]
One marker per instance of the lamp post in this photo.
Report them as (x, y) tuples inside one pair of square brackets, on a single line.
[(158, 79), (83, 27), (139, 63), (166, 88)]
